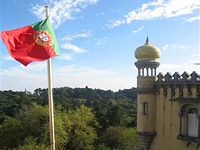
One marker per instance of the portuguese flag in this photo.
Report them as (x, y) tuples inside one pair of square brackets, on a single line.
[(36, 42)]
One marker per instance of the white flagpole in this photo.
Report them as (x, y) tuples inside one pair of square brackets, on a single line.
[(50, 98)]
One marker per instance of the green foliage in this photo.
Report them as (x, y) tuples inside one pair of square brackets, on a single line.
[(102, 147), (61, 124), (35, 122), (31, 144), (83, 118), (117, 116), (10, 102), (103, 103), (120, 138), (11, 133), (82, 133), (32, 121)]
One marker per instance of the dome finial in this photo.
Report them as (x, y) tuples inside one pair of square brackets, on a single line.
[(147, 41)]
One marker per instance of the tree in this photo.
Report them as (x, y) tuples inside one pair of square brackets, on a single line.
[(120, 138), (82, 133), (102, 147), (31, 144), (117, 116), (62, 125), (11, 133), (36, 124)]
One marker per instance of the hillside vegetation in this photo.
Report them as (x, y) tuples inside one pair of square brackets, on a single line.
[(85, 119)]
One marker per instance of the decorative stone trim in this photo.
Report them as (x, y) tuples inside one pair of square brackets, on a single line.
[(180, 86), (147, 64), (165, 90), (185, 100), (146, 138), (146, 133), (146, 91), (189, 140)]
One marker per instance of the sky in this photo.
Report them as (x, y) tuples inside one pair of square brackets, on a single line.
[(98, 38)]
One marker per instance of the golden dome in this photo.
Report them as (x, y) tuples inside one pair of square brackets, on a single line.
[(147, 52)]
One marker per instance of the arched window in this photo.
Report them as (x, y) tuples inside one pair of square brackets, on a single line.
[(192, 123), (189, 123)]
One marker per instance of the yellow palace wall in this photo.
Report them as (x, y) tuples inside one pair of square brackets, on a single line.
[(168, 122)]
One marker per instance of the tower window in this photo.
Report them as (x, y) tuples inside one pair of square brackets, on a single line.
[(145, 108)]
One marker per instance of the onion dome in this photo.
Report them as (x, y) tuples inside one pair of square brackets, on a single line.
[(147, 52)]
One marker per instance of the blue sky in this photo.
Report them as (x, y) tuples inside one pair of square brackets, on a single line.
[(97, 40)]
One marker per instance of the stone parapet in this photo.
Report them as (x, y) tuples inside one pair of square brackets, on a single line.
[(176, 80)]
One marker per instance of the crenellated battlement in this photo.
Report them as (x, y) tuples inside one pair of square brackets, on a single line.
[(178, 81)]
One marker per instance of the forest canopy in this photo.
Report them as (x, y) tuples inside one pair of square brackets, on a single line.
[(85, 119)]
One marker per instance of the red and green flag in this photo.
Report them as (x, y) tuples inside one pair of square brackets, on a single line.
[(35, 42)]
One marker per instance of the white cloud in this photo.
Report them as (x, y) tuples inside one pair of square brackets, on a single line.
[(193, 18), (37, 66), (20, 78), (81, 76), (64, 57), (73, 48), (8, 57), (140, 28), (165, 47), (176, 46), (188, 67), (195, 55), (100, 14), (83, 72), (69, 38), (159, 9), (195, 59), (61, 10), (116, 23), (101, 41)]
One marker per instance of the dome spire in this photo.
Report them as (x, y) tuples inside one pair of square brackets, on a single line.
[(147, 52), (147, 41)]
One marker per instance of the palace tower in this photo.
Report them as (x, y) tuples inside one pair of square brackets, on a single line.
[(168, 116)]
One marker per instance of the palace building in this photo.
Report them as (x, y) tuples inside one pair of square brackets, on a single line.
[(168, 115)]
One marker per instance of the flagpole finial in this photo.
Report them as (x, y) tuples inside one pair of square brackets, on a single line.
[(46, 11)]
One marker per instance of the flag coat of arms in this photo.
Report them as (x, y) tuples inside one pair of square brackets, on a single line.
[(35, 42)]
